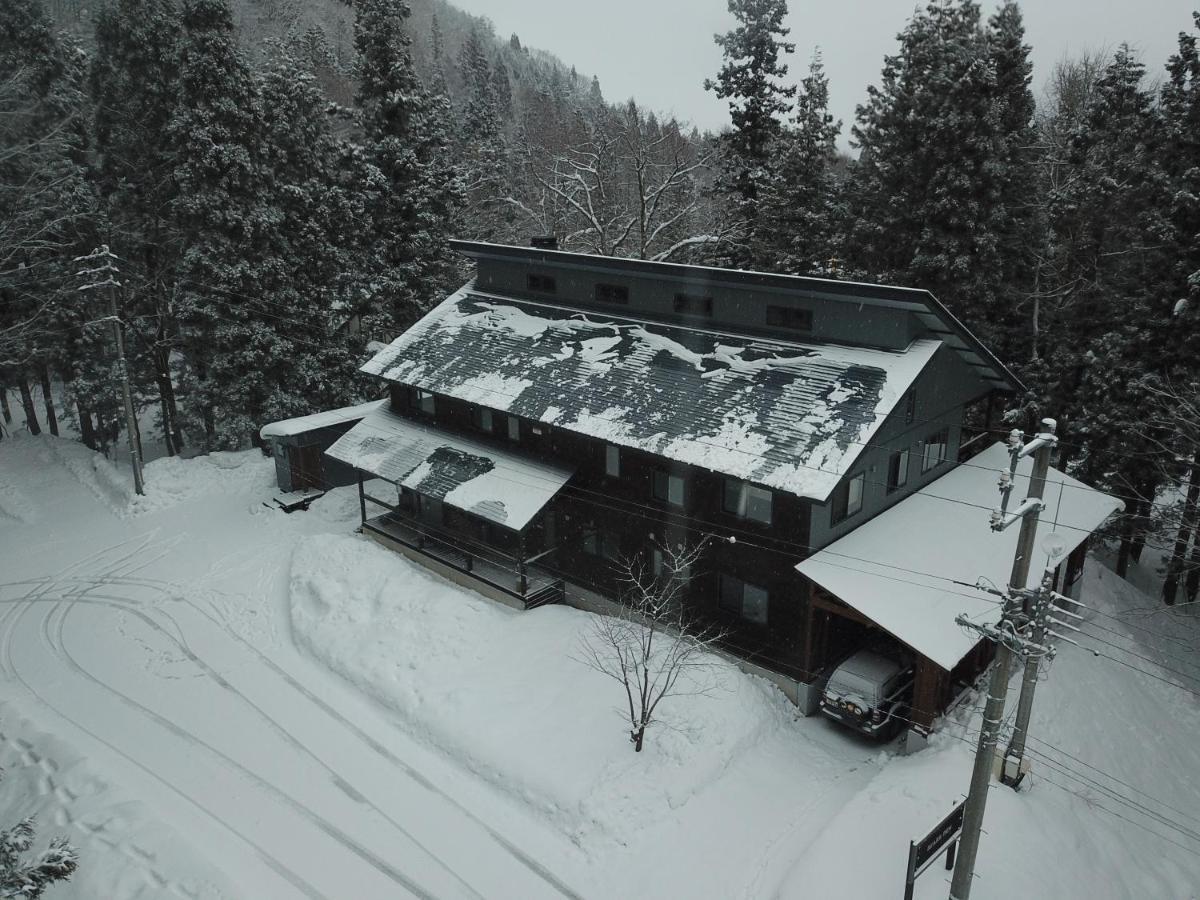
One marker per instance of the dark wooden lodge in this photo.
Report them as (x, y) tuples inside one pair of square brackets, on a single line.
[(563, 411)]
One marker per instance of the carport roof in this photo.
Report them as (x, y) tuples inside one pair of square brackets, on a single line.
[(910, 569)]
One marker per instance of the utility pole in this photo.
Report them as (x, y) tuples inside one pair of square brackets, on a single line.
[(103, 263), (1009, 641)]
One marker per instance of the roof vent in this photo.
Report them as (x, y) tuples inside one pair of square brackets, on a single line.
[(544, 242)]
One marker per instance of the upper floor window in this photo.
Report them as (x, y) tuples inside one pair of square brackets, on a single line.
[(612, 293), (422, 401), (668, 487), (482, 418), (910, 407), (897, 470), (789, 317), (514, 428), (543, 284), (612, 461), (934, 452), (743, 598), (747, 501), (693, 305), (848, 498)]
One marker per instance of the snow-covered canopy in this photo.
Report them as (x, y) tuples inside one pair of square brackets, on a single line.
[(787, 415), (898, 568), (498, 485), (301, 424)]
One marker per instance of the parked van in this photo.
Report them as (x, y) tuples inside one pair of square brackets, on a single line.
[(870, 693)]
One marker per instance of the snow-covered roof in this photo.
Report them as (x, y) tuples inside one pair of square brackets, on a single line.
[(898, 568), (301, 424), (496, 484), (788, 415)]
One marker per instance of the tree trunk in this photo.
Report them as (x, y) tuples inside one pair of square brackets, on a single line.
[(1193, 576), (31, 419), (1126, 542), (1142, 528), (48, 400), (4, 407), (1183, 537), (166, 392), (86, 430), (638, 737)]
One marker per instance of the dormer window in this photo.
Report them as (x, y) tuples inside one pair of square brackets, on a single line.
[(541, 284), (693, 305), (790, 318)]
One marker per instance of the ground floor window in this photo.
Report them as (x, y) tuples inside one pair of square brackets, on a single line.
[(743, 599), (602, 544)]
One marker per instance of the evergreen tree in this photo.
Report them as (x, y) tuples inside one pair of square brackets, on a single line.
[(417, 189), (217, 138), (502, 89), (135, 88), (437, 82), (924, 199), (798, 200), (1181, 161), (29, 880), (750, 80)]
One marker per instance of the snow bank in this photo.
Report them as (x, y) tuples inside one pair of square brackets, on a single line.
[(172, 480), (504, 694)]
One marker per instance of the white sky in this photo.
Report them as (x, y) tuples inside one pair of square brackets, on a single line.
[(660, 51)]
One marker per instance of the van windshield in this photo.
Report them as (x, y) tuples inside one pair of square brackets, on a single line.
[(845, 682)]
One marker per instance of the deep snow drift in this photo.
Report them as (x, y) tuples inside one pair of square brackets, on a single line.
[(169, 706)]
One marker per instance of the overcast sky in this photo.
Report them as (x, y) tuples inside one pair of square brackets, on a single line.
[(660, 51)]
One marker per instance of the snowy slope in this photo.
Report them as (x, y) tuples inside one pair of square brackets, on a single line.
[(259, 705)]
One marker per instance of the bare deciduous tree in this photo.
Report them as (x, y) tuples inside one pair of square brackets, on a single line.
[(654, 647)]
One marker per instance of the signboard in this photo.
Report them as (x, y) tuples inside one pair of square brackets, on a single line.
[(921, 853)]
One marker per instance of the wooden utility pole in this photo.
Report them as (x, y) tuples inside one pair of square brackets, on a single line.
[(103, 263), (1009, 642)]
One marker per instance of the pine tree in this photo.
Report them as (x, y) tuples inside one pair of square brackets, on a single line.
[(217, 136), (1181, 162), (798, 200), (502, 89), (417, 191), (437, 82), (28, 881), (135, 88), (924, 199), (750, 80)]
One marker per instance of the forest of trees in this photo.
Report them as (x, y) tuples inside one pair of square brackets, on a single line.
[(281, 191)]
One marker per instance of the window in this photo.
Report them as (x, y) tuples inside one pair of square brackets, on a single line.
[(693, 305), (787, 317), (422, 401), (910, 407), (514, 428), (934, 453), (897, 470), (848, 498), (483, 419), (668, 487), (603, 544), (612, 293), (543, 284), (656, 562), (612, 461), (747, 501), (743, 599)]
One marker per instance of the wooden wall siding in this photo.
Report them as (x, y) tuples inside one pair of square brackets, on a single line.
[(929, 693), (942, 391), (740, 308)]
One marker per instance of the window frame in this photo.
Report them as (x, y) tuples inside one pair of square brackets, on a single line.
[(513, 429), (483, 419), (668, 480), (616, 294), (940, 438), (897, 476), (790, 317), (736, 499), (541, 283), (685, 304), (840, 507), (612, 461), (732, 599), (423, 402)]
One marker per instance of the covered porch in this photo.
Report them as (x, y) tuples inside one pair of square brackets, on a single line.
[(475, 512)]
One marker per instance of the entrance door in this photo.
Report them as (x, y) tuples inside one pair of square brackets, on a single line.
[(307, 472)]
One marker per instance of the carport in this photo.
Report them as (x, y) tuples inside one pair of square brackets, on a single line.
[(918, 565)]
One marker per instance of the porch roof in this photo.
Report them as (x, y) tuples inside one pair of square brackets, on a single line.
[(910, 569), (497, 484)]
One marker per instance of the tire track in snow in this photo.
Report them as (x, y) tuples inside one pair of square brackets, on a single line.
[(324, 825), (268, 859), (378, 748)]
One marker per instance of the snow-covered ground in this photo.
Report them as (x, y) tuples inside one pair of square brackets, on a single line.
[(213, 699)]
